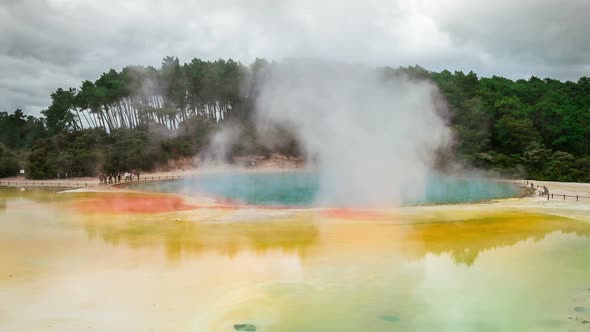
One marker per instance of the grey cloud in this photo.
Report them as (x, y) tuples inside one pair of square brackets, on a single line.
[(547, 36), (48, 44)]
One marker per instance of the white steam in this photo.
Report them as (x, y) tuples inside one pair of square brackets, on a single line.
[(374, 139), (219, 148)]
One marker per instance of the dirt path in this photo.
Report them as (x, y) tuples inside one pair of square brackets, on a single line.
[(85, 181), (568, 188), (93, 182)]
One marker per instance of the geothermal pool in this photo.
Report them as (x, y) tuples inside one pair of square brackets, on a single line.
[(143, 262), (301, 189)]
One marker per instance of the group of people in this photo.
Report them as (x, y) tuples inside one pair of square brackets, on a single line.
[(543, 191), (116, 177)]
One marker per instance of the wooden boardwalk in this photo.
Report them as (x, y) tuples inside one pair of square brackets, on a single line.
[(74, 184), (539, 191), (47, 184)]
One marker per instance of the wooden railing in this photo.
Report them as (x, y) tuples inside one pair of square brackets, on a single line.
[(53, 184), (539, 190), (578, 198), (146, 178), (69, 184)]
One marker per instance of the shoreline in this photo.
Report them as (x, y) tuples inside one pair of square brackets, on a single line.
[(530, 201), (94, 182), (523, 202), (568, 188)]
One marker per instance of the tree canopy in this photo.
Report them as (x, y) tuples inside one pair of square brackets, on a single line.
[(141, 116)]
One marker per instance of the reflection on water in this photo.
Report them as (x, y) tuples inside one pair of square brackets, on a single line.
[(440, 269), (289, 236), (463, 239)]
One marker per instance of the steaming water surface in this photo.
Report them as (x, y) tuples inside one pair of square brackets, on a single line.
[(302, 188), (438, 268)]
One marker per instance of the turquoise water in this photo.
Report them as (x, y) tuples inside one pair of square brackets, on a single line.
[(301, 188)]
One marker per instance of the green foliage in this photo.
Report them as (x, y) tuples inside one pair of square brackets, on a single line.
[(509, 126), (91, 151), (58, 116), (140, 117), (560, 167), (581, 169), (18, 131), (8, 163), (126, 149), (513, 135), (472, 129), (536, 157), (75, 153), (41, 163)]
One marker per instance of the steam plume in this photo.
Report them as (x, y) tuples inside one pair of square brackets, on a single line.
[(374, 137)]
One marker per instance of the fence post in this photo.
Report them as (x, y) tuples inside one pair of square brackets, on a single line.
[(564, 197), (576, 198), (551, 195), (547, 197)]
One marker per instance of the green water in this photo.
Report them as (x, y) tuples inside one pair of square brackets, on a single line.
[(438, 268), (301, 188)]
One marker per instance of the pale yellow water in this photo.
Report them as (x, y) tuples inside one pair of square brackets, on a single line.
[(432, 269)]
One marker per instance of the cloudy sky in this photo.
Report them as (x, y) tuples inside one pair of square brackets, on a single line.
[(46, 44)]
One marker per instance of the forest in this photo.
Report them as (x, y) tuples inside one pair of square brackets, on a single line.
[(141, 117)]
